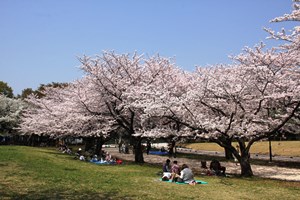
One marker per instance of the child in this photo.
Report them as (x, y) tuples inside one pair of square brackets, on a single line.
[(175, 170)]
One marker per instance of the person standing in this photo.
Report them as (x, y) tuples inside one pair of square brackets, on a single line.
[(148, 147)]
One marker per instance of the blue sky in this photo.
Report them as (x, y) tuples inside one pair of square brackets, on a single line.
[(40, 40)]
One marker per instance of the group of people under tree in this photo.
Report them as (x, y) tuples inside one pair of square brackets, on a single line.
[(184, 174), (175, 173), (104, 157), (215, 168)]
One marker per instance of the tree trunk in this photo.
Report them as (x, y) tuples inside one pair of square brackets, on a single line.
[(171, 149), (89, 143), (29, 140), (138, 153), (33, 140), (99, 143), (228, 154), (246, 170), (120, 142)]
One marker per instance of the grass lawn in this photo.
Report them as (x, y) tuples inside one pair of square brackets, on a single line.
[(283, 148), (42, 173)]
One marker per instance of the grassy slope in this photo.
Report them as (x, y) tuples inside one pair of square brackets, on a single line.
[(40, 173), (284, 148)]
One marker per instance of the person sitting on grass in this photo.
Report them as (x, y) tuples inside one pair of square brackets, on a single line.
[(82, 158), (175, 171), (204, 169), (78, 154), (108, 157), (166, 176), (216, 168), (167, 166), (166, 170), (186, 175), (94, 158)]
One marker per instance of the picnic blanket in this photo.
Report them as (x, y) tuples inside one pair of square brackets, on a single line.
[(198, 182), (118, 162), (158, 152), (101, 162)]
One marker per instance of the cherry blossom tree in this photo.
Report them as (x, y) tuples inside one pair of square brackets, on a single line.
[(99, 126), (119, 80), (250, 100), (291, 44), (245, 102), (63, 112), (102, 102)]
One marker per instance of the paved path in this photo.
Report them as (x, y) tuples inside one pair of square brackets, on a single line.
[(253, 155), (274, 172)]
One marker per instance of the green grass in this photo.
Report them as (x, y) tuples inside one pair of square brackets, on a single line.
[(41, 173), (282, 148)]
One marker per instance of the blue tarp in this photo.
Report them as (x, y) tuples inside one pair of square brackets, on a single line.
[(158, 152), (103, 162)]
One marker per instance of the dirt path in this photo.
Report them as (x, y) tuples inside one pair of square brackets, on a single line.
[(273, 172)]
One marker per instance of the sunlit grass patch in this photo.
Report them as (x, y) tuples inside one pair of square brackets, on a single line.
[(41, 173)]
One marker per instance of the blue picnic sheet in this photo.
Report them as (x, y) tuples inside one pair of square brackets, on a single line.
[(158, 152), (103, 162), (198, 182)]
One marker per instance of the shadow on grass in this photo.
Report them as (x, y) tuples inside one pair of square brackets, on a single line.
[(62, 194)]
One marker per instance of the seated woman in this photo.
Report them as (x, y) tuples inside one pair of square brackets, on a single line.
[(167, 166), (166, 170), (186, 175)]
